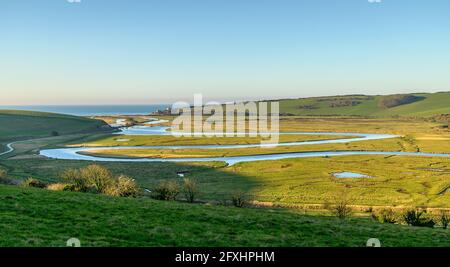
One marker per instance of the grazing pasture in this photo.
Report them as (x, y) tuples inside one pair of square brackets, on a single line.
[(36, 218), (291, 194), (21, 125)]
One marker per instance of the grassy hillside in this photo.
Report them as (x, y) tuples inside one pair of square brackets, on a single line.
[(423, 105), (35, 217), (433, 104), (20, 125)]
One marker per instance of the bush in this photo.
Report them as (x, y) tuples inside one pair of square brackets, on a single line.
[(3, 173), (444, 219), (4, 178), (31, 182), (415, 217), (61, 187), (123, 187), (97, 177), (341, 209), (75, 178), (385, 216), (166, 190), (239, 199), (190, 189)]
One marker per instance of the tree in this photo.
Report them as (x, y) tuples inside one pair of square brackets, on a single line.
[(415, 217), (444, 219), (341, 207)]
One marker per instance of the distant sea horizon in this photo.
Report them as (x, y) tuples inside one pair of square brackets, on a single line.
[(91, 110)]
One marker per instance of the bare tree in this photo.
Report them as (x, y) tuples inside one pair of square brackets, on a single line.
[(341, 207), (190, 189)]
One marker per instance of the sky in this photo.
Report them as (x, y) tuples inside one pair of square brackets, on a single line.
[(162, 51)]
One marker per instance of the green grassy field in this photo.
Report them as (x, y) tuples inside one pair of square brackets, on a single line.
[(431, 104), (397, 181), (21, 125), (44, 218), (36, 217)]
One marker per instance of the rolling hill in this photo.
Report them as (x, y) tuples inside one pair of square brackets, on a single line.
[(408, 105), (37, 217), (21, 125)]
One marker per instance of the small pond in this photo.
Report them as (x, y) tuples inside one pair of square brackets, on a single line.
[(350, 175)]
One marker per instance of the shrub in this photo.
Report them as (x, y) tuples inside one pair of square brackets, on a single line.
[(239, 199), (3, 173), (4, 178), (31, 182), (97, 177), (444, 219), (61, 187), (55, 133), (74, 177), (415, 217), (166, 190), (385, 216), (190, 189), (341, 209), (123, 187)]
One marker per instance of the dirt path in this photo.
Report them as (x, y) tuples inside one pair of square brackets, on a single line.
[(9, 147)]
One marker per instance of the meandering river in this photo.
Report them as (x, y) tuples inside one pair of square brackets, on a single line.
[(73, 153)]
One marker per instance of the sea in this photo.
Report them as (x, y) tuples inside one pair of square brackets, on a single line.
[(93, 110)]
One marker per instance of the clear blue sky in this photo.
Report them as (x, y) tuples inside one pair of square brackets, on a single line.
[(153, 51)]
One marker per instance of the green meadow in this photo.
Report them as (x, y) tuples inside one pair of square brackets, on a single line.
[(396, 181), (23, 125), (286, 199), (37, 218), (425, 105)]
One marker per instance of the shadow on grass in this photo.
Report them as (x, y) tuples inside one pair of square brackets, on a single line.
[(217, 181)]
